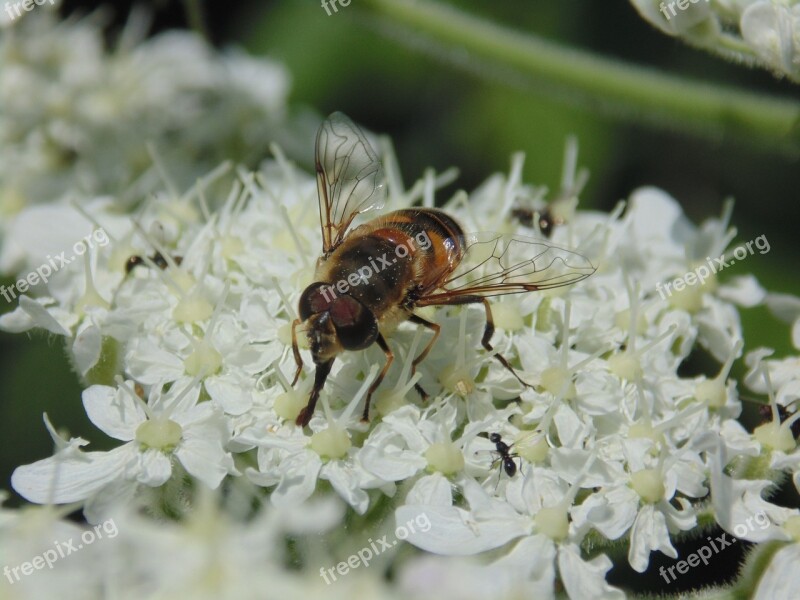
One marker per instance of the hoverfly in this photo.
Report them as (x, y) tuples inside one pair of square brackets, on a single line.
[(371, 278)]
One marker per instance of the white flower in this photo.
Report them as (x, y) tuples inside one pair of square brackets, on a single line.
[(612, 444), (780, 579), (295, 461), (773, 30), (76, 119), (170, 425)]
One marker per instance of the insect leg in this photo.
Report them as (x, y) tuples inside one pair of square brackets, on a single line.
[(487, 335), (436, 329), (297, 358), (389, 358), (321, 374)]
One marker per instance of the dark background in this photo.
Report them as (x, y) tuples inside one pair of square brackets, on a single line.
[(441, 115)]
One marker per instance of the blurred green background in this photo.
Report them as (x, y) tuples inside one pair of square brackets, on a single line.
[(471, 116)]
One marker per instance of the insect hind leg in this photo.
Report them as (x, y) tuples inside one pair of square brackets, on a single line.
[(389, 359), (436, 330), (488, 332)]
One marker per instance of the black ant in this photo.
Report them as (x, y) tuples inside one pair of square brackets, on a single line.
[(506, 458), (157, 258)]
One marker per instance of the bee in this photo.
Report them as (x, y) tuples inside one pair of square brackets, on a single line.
[(374, 276)]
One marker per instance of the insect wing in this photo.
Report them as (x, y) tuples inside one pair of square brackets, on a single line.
[(349, 177), (496, 264)]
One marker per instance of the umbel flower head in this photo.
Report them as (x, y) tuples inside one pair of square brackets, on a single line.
[(77, 118), (186, 362)]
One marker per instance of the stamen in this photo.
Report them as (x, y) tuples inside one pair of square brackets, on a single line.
[(91, 297), (456, 377), (159, 164), (512, 186), (712, 391), (391, 399), (284, 215), (334, 442), (775, 435)]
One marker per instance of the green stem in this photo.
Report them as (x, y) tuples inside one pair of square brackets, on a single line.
[(591, 80), (196, 18)]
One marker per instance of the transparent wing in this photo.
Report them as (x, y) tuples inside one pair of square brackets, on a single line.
[(495, 264), (349, 177)]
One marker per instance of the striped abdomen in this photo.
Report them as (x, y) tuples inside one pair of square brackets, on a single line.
[(404, 253)]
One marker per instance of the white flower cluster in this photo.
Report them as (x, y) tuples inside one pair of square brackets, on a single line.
[(763, 32), (78, 119), (187, 367)]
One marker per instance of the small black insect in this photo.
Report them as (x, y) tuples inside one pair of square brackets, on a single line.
[(547, 221), (765, 412), (157, 258), (506, 458)]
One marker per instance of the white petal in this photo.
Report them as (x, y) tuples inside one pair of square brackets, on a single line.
[(657, 220), (432, 489), (534, 556), (300, 472), (390, 463), (64, 448), (796, 334), (155, 468), (99, 506), (649, 532), (231, 394), (148, 363), (59, 481), (205, 459), (346, 483), (612, 513), (584, 579), (767, 27), (30, 314), (784, 306), (87, 346), (744, 291), (454, 531), (782, 577), (113, 411)]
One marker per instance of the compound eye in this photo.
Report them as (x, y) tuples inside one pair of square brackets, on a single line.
[(316, 298), (355, 325)]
